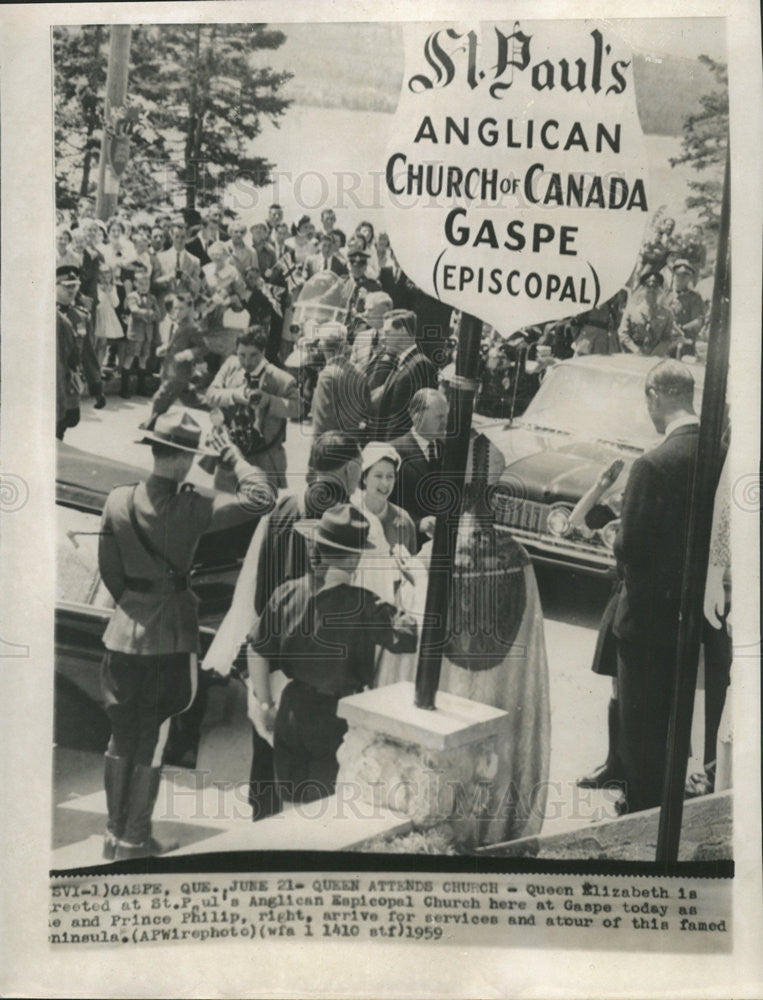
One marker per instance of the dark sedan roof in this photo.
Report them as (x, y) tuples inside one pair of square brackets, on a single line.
[(85, 480), (628, 363)]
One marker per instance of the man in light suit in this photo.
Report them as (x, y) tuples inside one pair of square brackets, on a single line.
[(650, 548), (254, 400), (341, 401), (420, 451), (177, 267), (413, 371)]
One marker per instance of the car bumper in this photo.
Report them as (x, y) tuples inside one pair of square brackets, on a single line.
[(592, 559)]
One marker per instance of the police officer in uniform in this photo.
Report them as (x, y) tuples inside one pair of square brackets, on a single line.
[(687, 306), (149, 534), (67, 352)]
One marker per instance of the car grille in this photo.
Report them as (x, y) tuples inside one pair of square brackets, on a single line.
[(517, 513)]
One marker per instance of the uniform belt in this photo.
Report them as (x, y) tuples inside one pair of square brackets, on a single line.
[(166, 585)]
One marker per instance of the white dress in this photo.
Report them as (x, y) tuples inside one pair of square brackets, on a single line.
[(107, 325), (399, 580)]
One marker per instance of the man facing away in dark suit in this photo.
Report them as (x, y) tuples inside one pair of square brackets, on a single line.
[(650, 547), (413, 371), (420, 451)]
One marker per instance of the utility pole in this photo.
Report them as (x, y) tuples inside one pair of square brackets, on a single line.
[(115, 142)]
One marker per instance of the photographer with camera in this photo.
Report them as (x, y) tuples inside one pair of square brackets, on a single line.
[(254, 400)]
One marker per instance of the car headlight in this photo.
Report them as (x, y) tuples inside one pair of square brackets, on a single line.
[(609, 533), (558, 522)]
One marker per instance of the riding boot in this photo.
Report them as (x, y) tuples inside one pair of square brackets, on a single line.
[(116, 779), (610, 774), (137, 841), (124, 384)]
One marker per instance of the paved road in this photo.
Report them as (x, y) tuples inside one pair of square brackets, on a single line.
[(572, 606)]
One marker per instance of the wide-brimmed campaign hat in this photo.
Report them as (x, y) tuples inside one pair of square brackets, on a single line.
[(342, 527), (177, 429)]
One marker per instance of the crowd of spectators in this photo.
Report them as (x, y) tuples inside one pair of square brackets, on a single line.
[(155, 305), (164, 300)]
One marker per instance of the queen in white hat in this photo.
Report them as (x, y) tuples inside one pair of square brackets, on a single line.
[(389, 569), (393, 532)]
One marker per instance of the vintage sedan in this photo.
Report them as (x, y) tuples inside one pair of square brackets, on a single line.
[(568, 457), (84, 606)]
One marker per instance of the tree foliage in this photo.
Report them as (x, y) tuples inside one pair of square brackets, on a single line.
[(704, 143), (79, 65), (203, 97)]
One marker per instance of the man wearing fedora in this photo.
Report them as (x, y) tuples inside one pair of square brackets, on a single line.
[(149, 533), (280, 554), (323, 637)]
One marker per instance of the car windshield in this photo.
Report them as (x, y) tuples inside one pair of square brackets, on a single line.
[(601, 404)]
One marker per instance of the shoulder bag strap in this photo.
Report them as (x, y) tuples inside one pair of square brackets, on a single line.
[(144, 540)]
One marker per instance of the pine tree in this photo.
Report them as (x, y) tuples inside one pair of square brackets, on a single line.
[(202, 97), (704, 142), (79, 64)]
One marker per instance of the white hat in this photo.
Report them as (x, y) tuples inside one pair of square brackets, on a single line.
[(375, 451)]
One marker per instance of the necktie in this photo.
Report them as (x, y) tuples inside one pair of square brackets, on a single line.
[(177, 266), (433, 453)]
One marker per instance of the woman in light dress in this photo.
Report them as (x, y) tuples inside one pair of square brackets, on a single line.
[(389, 570), (109, 332), (223, 316)]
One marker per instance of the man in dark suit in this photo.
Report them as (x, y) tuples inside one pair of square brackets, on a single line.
[(650, 548), (199, 245), (326, 260), (413, 371), (420, 451)]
